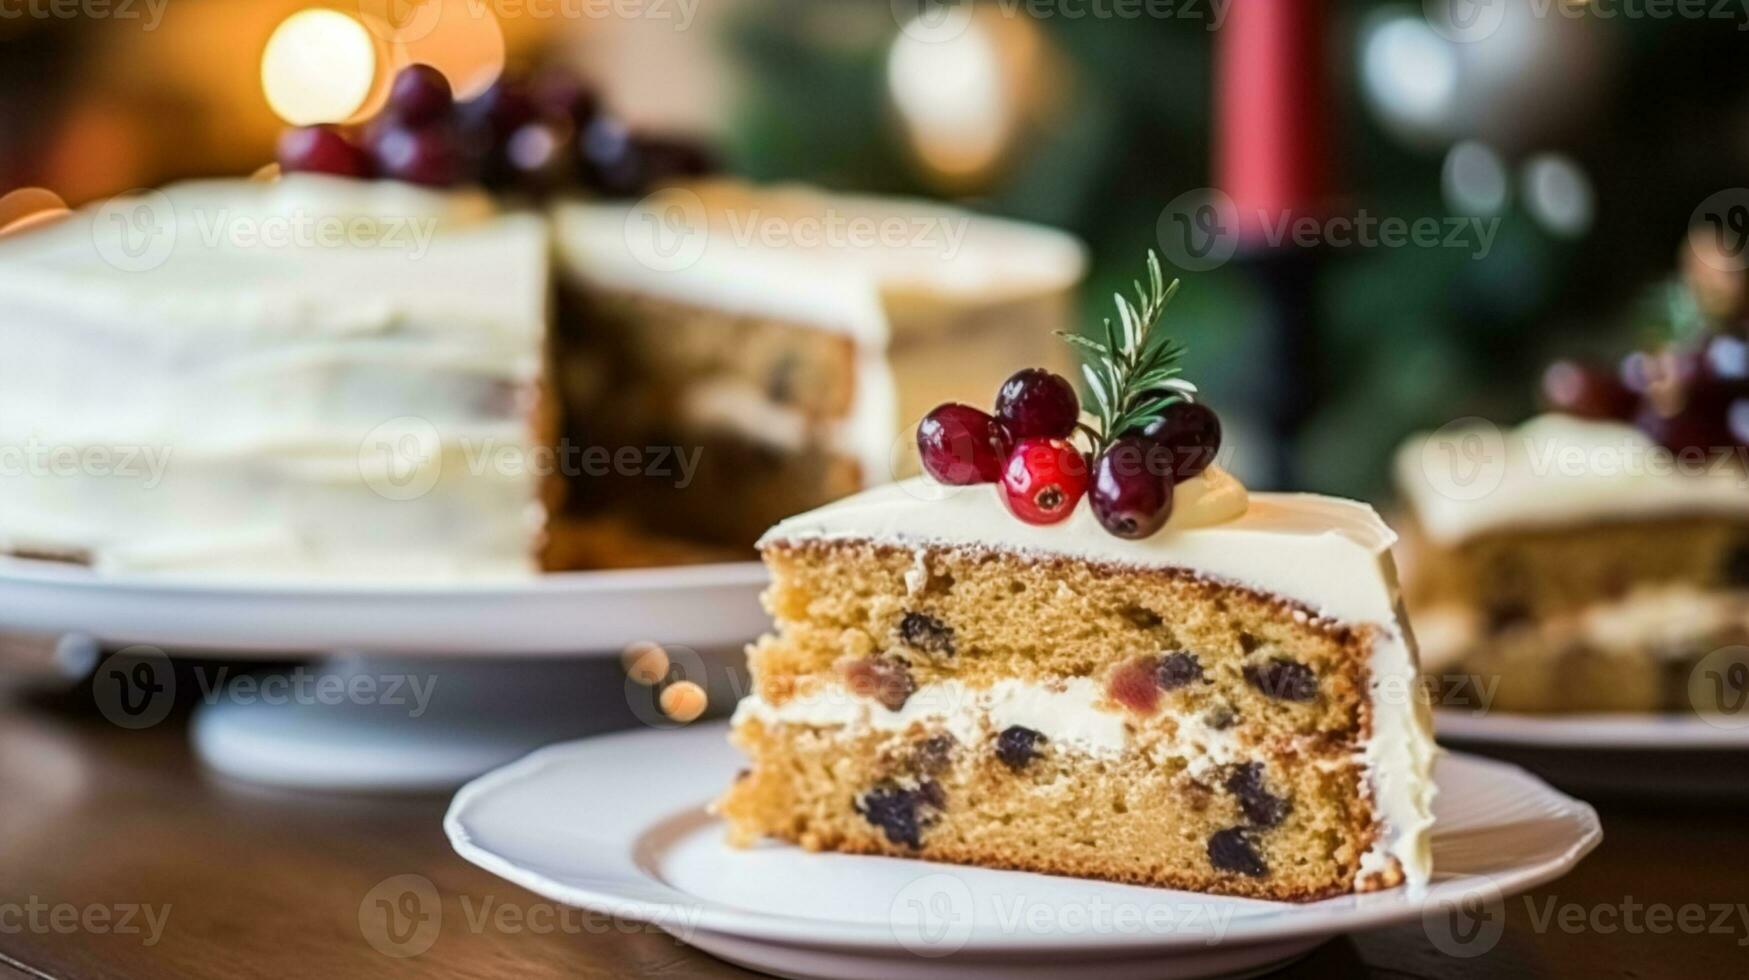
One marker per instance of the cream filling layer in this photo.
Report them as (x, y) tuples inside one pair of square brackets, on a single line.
[(1658, 621)]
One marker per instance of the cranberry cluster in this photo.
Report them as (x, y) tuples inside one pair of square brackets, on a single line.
[(1026, 448), (1693, 398), (536, 136)]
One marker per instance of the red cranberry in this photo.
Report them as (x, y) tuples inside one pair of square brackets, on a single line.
[(428, 155), (321, 150), (1192, 431), (613, 161), (419, 95), (961, 445), (1043, 480), (1131, 498), (1586, 391), (1035, 402)]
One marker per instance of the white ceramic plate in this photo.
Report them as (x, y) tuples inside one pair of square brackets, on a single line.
[(565, 613), (616, 825), (1599, 731)]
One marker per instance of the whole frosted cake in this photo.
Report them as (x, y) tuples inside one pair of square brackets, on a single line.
[(357, 370)]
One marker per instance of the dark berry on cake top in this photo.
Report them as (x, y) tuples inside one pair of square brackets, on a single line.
[(534, 139), (1148, 434)]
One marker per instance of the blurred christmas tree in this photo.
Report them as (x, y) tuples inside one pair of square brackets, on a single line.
[(1579, 146)]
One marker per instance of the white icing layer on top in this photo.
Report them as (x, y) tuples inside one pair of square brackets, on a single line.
[(1471, 479), (1330, 555)]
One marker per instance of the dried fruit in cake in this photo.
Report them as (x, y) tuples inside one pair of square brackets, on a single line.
[(1261, 807), (1284, 680), (1043, 480), (902, 813), (1017, 745), (920, 631), (1177, 669), (1234, 850)]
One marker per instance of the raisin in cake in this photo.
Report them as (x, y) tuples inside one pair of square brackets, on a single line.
[(1573, 564), (1229, 705)]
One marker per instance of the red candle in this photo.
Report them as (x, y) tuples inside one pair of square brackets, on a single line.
[(1272, 152)]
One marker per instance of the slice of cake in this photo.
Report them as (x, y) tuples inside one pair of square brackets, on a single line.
[(1135, 671), (1574, 564), (787, 338)]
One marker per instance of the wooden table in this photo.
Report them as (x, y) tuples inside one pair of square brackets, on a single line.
[(100, 820)]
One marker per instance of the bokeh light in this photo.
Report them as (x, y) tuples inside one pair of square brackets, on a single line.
[(318, 67)]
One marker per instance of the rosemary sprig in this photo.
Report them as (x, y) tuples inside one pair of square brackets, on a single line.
[(1134, 374)]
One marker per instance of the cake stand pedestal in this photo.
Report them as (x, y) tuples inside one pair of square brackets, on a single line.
[(419, 688)]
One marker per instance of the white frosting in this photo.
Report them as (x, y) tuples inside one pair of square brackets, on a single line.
[(208, 401), (1470, 479), (1333, 556)]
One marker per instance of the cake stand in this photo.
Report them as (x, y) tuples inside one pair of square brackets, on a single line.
[(420, 686)]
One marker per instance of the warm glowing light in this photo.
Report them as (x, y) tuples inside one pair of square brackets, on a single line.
[(966, 87), (951, 96), (318, 67), (28, 207)]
